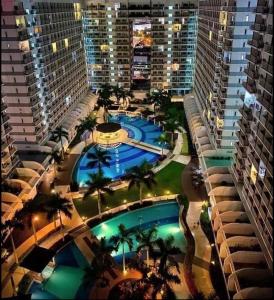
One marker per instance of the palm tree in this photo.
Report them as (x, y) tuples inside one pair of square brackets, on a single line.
[(7, 227), (104, 101), (166, 252), (160, 98), (146, 240), (103, 250), (99, 157), (170, 126), (29, 211), (57, 136), (55, 159), (139, 176), (54, 205), (98, 183), (122, 238), (118, 92), (126, 94), (162, 140), (88, 123)]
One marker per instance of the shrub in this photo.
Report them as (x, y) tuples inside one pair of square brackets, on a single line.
[(183, 201), (74, 186)]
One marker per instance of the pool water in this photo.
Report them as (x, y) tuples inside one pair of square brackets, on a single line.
[(66, 281), (138, 129), (164, 215), (211, 162), (124, 156)]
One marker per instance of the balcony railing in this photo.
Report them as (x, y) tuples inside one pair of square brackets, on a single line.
[(250, 87), (254, 59)]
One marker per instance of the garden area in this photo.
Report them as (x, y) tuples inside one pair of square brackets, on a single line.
[(168, 182)]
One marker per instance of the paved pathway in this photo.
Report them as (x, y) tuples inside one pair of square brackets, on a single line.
[(201, 261)]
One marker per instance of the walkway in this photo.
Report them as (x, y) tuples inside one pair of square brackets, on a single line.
[(202, 259), (146, 146)]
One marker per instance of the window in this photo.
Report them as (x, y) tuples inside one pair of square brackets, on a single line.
[(245, 31), (54, 47), (243, 44), (243, 57), (66, 43), (16, 90), (210, 35), (10, 58), (246, 18), (6, 34)]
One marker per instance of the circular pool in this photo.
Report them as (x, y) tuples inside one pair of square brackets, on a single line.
[(123, 155)]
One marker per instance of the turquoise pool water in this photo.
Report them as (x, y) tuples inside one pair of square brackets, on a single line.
[(66, 281), (211, 162), (164, 215), (124, 156)]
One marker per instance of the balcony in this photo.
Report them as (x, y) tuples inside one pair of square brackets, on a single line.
[(253, 58), (256, 42), (269, 29), (3, 106), (268, 48), (267, 66), (252, 73), (258, 27), (246, 112), (267, 85), (250, 87)]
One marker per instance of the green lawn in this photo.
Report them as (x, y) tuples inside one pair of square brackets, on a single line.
[(185, 150), (168, 182)]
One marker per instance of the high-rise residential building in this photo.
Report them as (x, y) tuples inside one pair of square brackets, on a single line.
[(252, 170), (43, 66), (222, 45), (141, 45), (8, 151)]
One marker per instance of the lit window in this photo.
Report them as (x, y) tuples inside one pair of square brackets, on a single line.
[(169, 35), (169, 55), (109, 16), (253, 174), (110, 29), (111, 55), (176, 27), (246, 18), (109, 8), (243, 57), (175, 67), (170, 15), (66, 43), (54, 47), (169, 42), (168, 80), (210, 35), (109, 23), (183, 20), (104, 48), (170, 22), (170, 7), (112, 74), (110, 36), (168, 49)]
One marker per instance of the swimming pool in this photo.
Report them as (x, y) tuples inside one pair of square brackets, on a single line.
[(124, 156), (164, 215), (66, 281), (138, 129)]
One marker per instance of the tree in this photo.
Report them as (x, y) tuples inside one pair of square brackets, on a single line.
[(104, 101), (28, 212), (7, 227), (162, 140), (55, 158), (146, 240), (55, 205), (57, 136), (166, 252), (123, 238), (126, 94), (98, 183), (88, 123), (101, 263), (171, 126), (139, 176), (160, 98), (99, 157), (118, 92)]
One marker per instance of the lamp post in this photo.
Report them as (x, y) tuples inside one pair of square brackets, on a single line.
[(35, 219)]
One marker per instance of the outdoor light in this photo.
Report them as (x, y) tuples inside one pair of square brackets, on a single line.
[(212, 245), (53, 191), (125, 201), (36, 218), (202, 211), (104, 226), (213, 262)]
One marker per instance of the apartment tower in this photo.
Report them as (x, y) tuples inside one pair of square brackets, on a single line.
[(252, 169), (141, 45), (43, 66), (222, 46)]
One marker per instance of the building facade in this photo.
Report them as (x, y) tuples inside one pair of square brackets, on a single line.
[(43, 66), (141, 45), (252, 169), (222, 45)]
